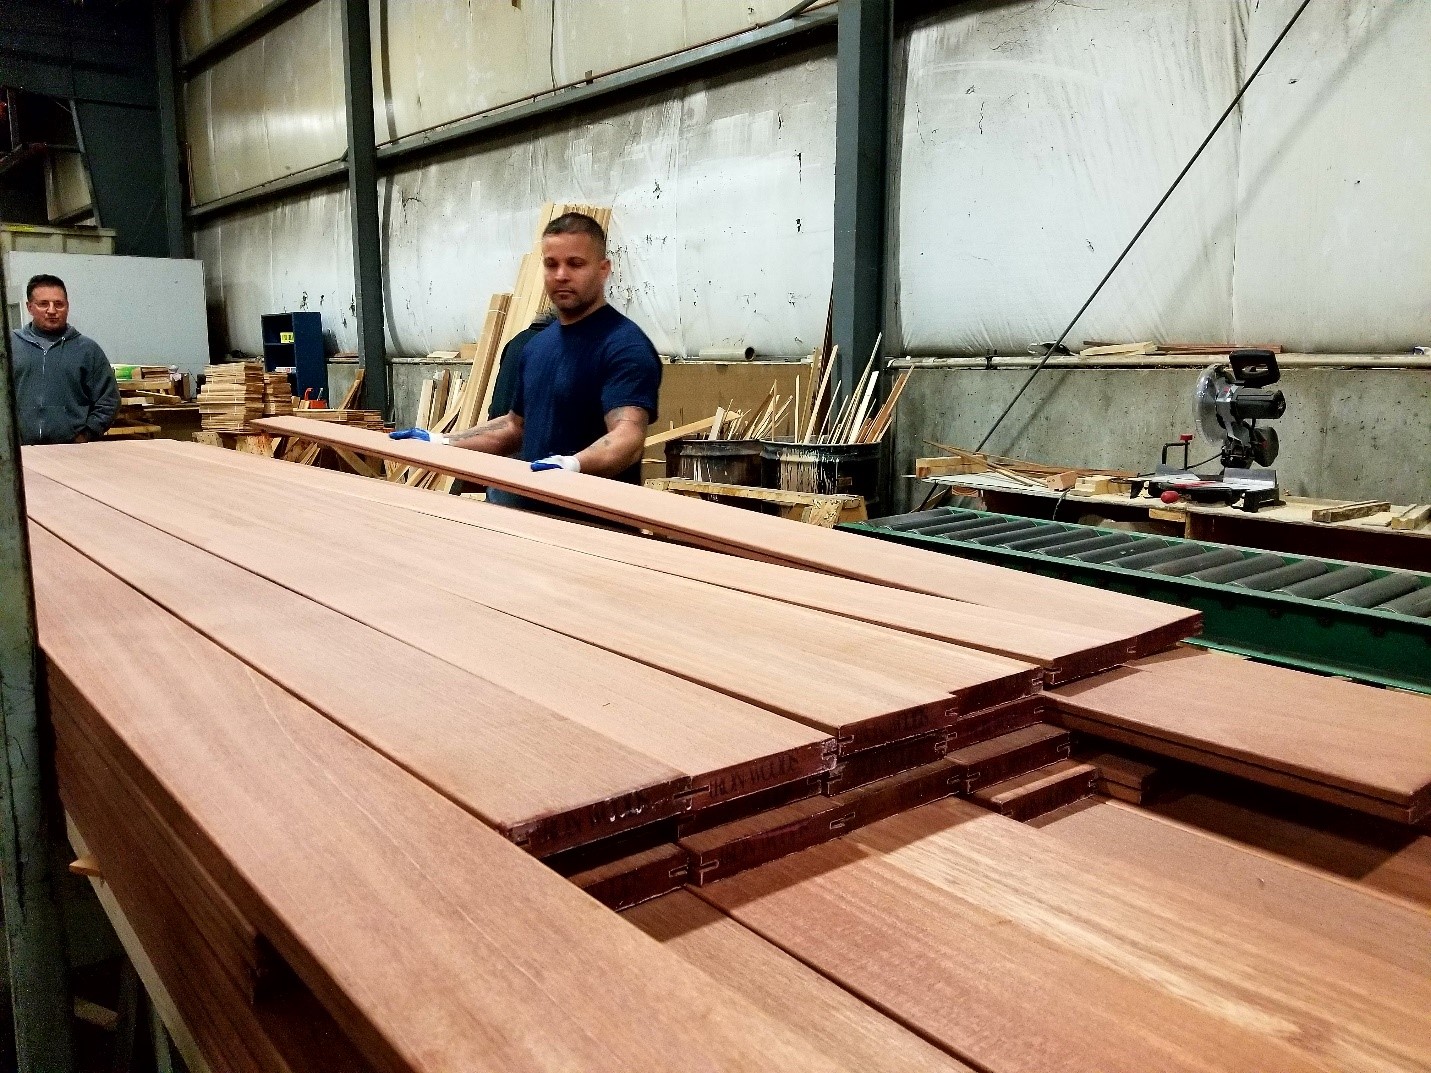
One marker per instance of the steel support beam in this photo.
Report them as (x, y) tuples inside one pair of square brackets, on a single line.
[(175, 234), (861, 139), (34, 935), (363, 202), (741, 47)]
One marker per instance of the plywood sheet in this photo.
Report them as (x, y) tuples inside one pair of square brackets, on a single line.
[(1151, 626), (1372, 743), (835, 1022), (434, 942), (1017, 954)]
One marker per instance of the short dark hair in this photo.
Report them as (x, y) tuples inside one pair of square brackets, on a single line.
[(44, 279), (578, 223)]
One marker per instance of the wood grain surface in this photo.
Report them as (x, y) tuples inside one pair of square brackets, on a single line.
[(1149, 625), (541, 780), (840, 676), (730, 748), (435, 943), (1065, 651), (1069, 961), (834, 1021), (1373, 743), (1219, 868)]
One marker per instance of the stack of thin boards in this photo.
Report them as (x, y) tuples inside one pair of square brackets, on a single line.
[(347, 736), (232, 396), (277, 395)]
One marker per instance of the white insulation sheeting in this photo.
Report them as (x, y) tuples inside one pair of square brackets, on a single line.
[(288, 256), (721, 231), (1036, 136)]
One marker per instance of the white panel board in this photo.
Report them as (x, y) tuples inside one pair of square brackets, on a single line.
[(1334, 233), (1035, 137), (141, 310)]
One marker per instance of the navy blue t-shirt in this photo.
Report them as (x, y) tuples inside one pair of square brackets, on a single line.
[(573, 375)]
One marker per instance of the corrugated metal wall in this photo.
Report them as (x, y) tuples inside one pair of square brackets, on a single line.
[(1034, 135)]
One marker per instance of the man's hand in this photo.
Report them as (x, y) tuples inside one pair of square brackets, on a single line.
[(82, 436), (418, 434), (566, 462)]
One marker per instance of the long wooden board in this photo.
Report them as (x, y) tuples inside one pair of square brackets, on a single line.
[(860, 682), (1071, 962), (543, 781), (435, 943), (1218, 868), (1360, 746), (835, 1022), (726, 747), (1150, 626), (1065, 651)]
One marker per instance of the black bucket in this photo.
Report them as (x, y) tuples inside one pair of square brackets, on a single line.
[(825, 468), (721, 461)]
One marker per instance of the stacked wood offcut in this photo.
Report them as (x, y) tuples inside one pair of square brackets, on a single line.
[(402, 850), (232, 396), (858, 419), (277, 395)]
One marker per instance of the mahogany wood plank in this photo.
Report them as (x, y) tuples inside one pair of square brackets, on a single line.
[(435, 944), (1219, 868), (754, 840), (1389, 858), (1032, 793), (728, 747), (835, 1022), (638, 878), (543, 781), (1151, 626), (284, 1029), (1323, 732), (1007, 755), (998, 942), (1065, 651), (1000, 719), (859, 681)]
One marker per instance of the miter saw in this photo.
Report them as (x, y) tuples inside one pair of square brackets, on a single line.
[(1228, 402)]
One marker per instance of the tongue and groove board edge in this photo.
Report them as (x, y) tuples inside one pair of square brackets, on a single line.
[(432, 941), (1151, 627)]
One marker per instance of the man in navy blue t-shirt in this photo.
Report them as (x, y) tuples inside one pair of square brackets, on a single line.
[(587, 383)]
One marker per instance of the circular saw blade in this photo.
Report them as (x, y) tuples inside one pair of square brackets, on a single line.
[(1211, 389)]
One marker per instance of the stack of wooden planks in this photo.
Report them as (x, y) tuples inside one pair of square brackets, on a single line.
[(1147, 627), (1362, 748), (363, 809), (277, 395), (232, 396)]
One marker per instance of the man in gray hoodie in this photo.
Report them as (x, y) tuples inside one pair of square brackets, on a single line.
[(64, 386)]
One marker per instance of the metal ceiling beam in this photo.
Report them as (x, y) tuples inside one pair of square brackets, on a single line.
[(363, 202), (866, 34), (175, 234), (491, 124)]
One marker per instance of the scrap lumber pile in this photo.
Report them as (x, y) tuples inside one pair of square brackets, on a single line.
[(852, 421), (232, 396), (144, 380), (367, 814), (277, 395)]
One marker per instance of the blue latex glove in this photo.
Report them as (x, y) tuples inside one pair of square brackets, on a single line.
[(566, 462), (418, 434)]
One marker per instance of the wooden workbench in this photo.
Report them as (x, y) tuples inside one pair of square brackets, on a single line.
[(1287, 528)]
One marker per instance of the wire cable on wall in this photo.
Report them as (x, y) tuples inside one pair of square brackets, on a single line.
[(1057, 343)]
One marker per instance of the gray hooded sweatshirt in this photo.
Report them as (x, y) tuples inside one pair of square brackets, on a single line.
[(64, 385)]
